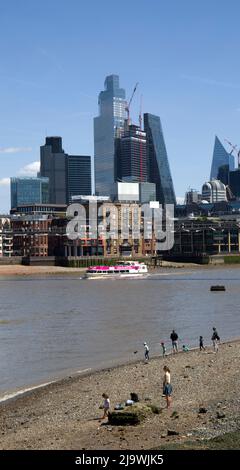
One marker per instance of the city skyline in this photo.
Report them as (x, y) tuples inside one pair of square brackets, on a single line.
[(194, 92)]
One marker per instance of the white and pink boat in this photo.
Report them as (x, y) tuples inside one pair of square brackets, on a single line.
[(121, 270)]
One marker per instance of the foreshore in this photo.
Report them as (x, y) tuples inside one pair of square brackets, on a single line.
[(65, 414), (20, 270)]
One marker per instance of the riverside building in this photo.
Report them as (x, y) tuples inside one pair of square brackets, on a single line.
[(29, 190)]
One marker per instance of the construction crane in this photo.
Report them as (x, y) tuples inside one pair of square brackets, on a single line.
[(140, 113), (140, 147), (127, 109), (234, 149)]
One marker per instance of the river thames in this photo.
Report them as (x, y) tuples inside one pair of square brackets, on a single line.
[(53, 326)]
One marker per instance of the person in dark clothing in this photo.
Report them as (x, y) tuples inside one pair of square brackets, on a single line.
[(215, 339), (201, 347), (174, 338), (146, 352)]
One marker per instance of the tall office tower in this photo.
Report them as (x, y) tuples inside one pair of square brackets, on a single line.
[(29, 190), (131, 156), (220, 157), (78, 176), (53, 166), (223, 174), (234, 183), (158, 166), (108, 125)]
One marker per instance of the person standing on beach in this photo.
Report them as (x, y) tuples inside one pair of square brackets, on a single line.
[(215, 339), (201, 347), (163, 349), (106, 405), (167, 387), (174, 338), (146, 353)]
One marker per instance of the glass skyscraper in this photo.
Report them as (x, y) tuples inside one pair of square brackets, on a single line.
[(29, 190), (78, 176), (220, 157), (53, 166), (158, 166), (108, 125), (131, 156)]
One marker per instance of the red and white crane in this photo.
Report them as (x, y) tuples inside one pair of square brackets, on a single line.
[(127, 109)]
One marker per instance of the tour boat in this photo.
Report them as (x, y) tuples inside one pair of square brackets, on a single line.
[(120, 270)]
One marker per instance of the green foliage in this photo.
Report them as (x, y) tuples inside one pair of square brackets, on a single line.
[(232, 259)]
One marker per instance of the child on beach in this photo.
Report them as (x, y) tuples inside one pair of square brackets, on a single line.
[(146, 353), (163, 349), (106, 405), (185, 348), (167, 387), (201, 347)]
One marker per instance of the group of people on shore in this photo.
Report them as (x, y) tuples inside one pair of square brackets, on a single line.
[(175, 349), (167, 386)]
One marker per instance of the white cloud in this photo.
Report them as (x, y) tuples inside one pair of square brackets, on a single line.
[(15, 149), (209, 81), (30, 169), (180, 200), (4, 181)]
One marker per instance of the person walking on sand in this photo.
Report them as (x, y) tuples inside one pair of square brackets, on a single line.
[(215, 339), (106, 405), (201, 347), (167, 387), (174, 339), (146, 352), (163, 349)]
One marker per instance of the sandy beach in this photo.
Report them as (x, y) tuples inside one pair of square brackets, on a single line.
[(20, 270), (65, 414)]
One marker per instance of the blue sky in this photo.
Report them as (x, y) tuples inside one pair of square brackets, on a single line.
[(55, 55)]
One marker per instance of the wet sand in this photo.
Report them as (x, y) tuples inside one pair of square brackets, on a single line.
[(20, 270), (65, 415)]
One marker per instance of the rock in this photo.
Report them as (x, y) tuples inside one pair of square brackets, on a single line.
[(163, 436), (130, 415), (220, 415), (155, 409), (186, 376), (171, 432), (202, 409)]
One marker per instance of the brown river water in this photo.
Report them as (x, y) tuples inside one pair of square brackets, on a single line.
[(53, 326)]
